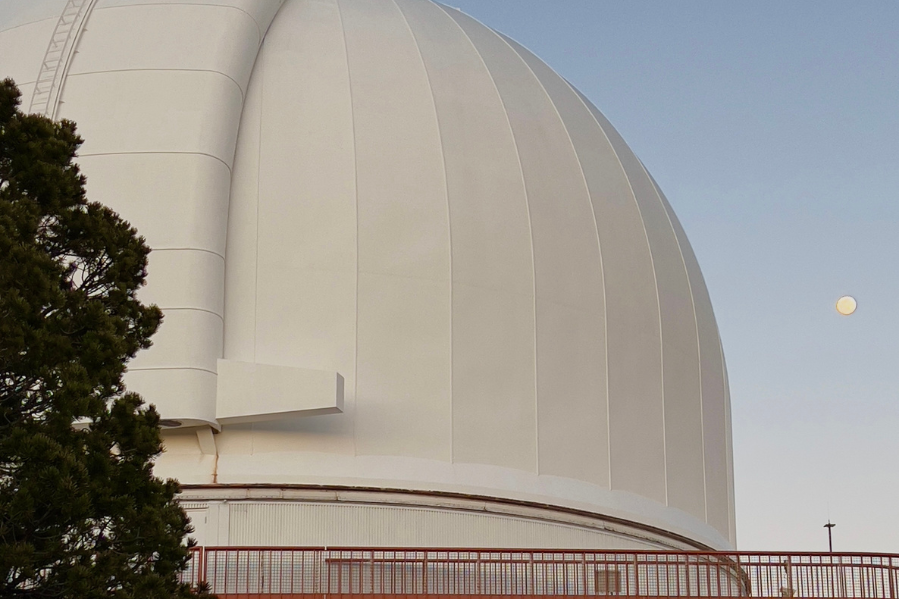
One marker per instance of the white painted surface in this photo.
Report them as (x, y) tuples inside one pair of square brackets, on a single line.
[(287, 517), (16, 13), (252, 392), (323, 524), (160, 111), (22, 49), (392, 191)]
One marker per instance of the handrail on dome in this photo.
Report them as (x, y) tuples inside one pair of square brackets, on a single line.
[(243, 572)]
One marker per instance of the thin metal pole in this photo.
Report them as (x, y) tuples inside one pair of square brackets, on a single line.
[(829, 526)]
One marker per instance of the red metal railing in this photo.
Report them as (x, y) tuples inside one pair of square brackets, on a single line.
[(281, 573)]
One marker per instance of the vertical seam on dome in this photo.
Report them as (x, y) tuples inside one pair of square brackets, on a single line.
[(656, 285), (680, 251), (528, 211), (605, 303), (349, 77), (258, 188), (260, 60), (592, 212), (449, 226)]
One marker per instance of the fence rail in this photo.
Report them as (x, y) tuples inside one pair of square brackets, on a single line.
[(282, 573)]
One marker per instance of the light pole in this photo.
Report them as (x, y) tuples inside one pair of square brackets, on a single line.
[(829, 526)]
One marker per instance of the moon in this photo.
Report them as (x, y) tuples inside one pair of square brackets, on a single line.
[(846, 305)]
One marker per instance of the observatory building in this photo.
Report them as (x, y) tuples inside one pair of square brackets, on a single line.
[(418, 292)]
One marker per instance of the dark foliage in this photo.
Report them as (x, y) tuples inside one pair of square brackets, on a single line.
[(81, 514)]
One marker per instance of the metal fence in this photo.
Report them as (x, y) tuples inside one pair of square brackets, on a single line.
[(280, 573)]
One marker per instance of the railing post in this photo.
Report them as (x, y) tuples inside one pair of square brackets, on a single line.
[(892, 571), (477, 574), (636, 574), (584, 566), (533, 576), (201, 565), (891, 578)]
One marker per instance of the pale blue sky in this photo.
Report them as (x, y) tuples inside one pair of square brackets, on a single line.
[(773, 128)]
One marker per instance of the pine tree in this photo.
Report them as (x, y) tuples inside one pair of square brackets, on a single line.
[(81, 514)]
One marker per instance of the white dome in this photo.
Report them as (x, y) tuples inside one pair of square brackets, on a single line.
[(393, 192)]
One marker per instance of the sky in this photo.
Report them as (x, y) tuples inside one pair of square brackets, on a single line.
[(773, 128)]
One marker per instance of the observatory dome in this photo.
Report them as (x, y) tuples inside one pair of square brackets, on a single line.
[(417, 289)]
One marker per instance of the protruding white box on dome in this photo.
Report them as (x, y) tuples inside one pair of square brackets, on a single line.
[(250, 392)]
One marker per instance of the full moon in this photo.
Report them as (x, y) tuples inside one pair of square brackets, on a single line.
[(846, 305)]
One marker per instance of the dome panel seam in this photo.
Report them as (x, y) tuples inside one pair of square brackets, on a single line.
[(654, 278), (680, 251), (527, 207), (349, 77), (589, 198), (449, 220)]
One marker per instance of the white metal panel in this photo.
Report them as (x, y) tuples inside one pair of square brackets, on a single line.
[(715, 396), (169, 98), (182, 459), (303, 300), (403, 394), (168, 40), (583, 450), (241, 253), (261, 11), (681, 364), (403, 229), (307, 199), (16, 13), (185, 279), (189, 398), (22, 51), (176, 201), (322, 524), (154, 111), (568, 274), (637, 452), (488, 207), (254, 392), (492, 298), (494, 415), (271, 460), (183, 339), (198, 517), (680, 361), (403, 389)]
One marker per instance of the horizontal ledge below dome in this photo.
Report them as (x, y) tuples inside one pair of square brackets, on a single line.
[(200, 495)]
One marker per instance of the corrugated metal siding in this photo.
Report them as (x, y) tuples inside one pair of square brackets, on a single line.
[(321, 524)]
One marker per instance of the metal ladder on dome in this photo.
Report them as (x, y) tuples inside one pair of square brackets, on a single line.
[(55, 66)]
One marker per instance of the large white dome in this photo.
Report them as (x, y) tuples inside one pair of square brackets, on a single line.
[(392, 192)]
